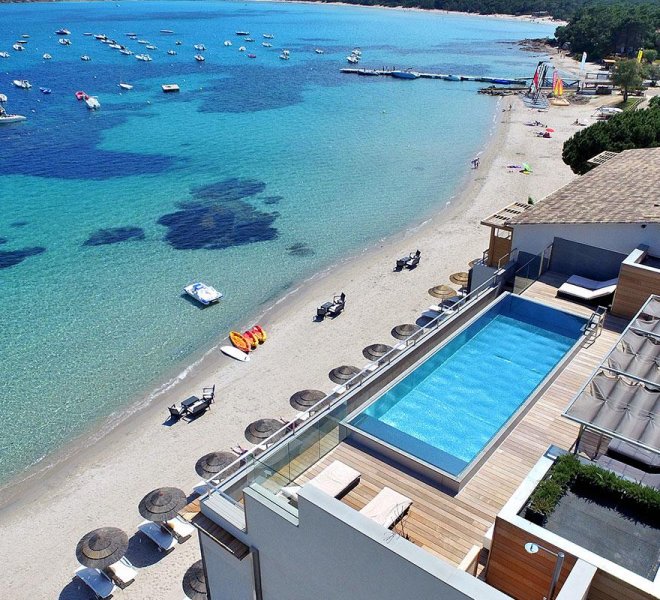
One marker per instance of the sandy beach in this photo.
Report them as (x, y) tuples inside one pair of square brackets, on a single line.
[(102, 484)]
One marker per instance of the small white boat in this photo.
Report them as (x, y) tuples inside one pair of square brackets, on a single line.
[(65, 41), (167, 31), (143, 41), (150, 47), (100, 36), (92, 103), (115, 46), (171, 52), (46, 56), (242, 49), (5, 118), (235, 353), (227, 43), (353, 59), (126, 52), (125, 86), (199, 58), (356, 52), (178, 43), (143, 57), (205, 294), (22, 83), (25, 35), (319, 51), (266, 44), (85, 57), (62, 32), (18, 47), (199, 47), (88, 33), (249, 39), (4, 54), (284, 56), (242, 33), (268, 36), (3, 98), (168, 88)]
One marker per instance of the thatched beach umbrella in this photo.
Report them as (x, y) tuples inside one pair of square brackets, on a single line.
[(401, 332), (476, 261), (212, 463), (262, 429), (306, 399), (343, 374), (162, 504), (102, 547), (376, 351), (194, 582), (460, 278), (442, 292)]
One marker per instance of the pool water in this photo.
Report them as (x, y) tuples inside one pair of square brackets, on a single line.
[(448, 409)]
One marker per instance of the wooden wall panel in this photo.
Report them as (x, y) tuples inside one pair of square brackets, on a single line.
[(635, 285), (607, 587)]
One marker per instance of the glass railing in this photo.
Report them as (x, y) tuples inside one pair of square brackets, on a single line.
[(531, 271)]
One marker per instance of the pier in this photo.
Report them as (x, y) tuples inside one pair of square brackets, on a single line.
[(410, 74)]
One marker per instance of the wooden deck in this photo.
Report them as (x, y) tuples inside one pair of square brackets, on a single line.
[(449, 526)]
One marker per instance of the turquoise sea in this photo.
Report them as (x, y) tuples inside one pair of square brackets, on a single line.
[(259, 173)]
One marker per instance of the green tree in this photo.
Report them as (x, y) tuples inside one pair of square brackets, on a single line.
[(627, 75), (630, 129), (650, 55)]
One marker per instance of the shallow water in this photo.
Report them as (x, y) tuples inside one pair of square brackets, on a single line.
[(255, 163)]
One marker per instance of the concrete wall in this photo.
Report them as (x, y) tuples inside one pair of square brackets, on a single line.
[(617, 237), (334, 552), (227, 578), (574, 258)]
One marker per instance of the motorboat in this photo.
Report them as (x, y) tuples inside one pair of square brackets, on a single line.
[(25, 35), (199, 58), (85, 57), (3, 98), (18, 47), (227, 43), (353, 59), (178, 43), (46, 56), (167, 31), (266, 44), (319, 51), (45, 90), (126, 52), (242, 33), (268, 36), (405, 74), (199, 47), (144, 42), (143, 57), (62, 32), (24, 84), (116, 46), (80, 95), (92, 103), (21, 41), (172, 52), (4, 54), (6, 118), (131, 34), (168, 88), (249, 39), (252, 56), (284, 56), (64, 41), (356, 52), (150, 47), (125, 86), (204, 294), (88, 33), (242, 49), (100, 36), (448, 78)]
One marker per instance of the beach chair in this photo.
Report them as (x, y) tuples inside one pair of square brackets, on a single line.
[(165, 542), (338, 305), (175, 412), (591, 284), (413, 261), (387, 507), (197, 408), (335, 480), (96, 581), (322, 311), (208, 393), (181, 529), (585, 294), (123, 573)]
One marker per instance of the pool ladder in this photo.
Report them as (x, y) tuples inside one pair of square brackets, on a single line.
[(595, 324)]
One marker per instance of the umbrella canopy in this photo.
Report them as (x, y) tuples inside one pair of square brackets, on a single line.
[(376, 351), (443, 292), (262, 429), (194, 582), (102, 547), (549, 129), (474, 262), (212, 463), (460, 278), (343, 374), (162, 504), (306, 398), (401, 332)]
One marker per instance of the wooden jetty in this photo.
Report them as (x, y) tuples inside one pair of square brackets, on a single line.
[(444, 76)]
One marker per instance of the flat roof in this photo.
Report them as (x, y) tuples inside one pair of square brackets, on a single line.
[(624, 189)]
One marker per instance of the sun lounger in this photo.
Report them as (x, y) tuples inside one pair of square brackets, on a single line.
[(410, 261), (387, 507), (591, 284), (181, 529), (166, 542), (575, 291), (338, 305), (123, 573), (96, 581), (175, 413), (335, 480)]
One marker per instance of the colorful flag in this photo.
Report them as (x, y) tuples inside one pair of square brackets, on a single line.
[(640, 54)]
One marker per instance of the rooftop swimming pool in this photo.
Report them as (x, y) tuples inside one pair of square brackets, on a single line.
[(451, 406)]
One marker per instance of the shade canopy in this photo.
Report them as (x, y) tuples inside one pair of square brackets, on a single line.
[(473, 262), (401, 332), (443, 292), (162, 504), (376, 351), (102, 547), (306, 399), (260, 430), (343, 374), (194, 582), (460, 278), (212, 463)]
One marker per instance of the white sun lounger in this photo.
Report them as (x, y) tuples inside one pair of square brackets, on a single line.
[(568, 289), (591, 284), (165, 541), (96, 581), (387, 507), (180, 528), (334, 480), (122, 572)]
